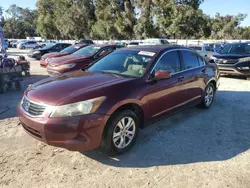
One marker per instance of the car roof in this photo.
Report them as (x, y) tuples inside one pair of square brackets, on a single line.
[(103, 45), (154, 48)]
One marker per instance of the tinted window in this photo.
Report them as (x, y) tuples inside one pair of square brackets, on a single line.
[(201, 61), (169, 62), (164, 42), (209, 49), (190, 59), (70, 49)]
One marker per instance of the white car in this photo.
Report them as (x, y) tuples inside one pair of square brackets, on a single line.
[(156, 41), (204, 50), (27, 44)]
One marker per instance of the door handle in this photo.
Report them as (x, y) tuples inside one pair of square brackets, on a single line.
[(181, 78)]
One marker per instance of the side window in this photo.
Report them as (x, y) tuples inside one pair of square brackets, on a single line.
[(201, 61), (169, 62), (57, 46), (105, 51), (209, 49), (190, 59)]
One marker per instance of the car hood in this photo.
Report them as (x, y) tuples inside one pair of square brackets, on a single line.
[(63, 88), (54, 54), (231, 56), (67, 59)]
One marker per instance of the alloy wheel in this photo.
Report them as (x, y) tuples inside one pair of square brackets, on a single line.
[(209, 95), (124, 132)]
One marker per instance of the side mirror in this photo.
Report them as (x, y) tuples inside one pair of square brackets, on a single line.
[(161, 74)]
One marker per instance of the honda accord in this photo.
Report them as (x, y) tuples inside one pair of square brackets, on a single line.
[(106, 104)]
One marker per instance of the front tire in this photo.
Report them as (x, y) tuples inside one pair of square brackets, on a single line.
[(120, 133), (208, 96)]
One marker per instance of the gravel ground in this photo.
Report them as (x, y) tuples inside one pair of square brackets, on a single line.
[(194, 148)]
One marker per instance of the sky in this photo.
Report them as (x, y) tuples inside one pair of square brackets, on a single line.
[(210, 7)]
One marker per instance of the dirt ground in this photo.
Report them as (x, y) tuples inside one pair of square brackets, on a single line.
[(194, 148)]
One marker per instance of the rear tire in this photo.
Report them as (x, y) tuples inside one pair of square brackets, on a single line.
[(208, 96), (120, 132)]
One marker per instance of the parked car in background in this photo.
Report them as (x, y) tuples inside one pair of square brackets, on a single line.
[(86, 42), (69, 50), (106, 104), (27, 44), (78, 60), (156, 41), (133, 44), (38, 53), (203, 50), (234, 59), (12, 43)]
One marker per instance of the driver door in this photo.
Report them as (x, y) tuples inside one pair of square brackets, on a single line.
[(168, 94)]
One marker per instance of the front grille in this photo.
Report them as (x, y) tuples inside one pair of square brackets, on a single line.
[(32, 108), (32, 131)]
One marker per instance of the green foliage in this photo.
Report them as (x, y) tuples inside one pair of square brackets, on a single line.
[(20, 22)]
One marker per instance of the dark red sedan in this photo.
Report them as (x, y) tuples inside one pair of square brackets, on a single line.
[(78, 60), (106, 104), (69, 50)]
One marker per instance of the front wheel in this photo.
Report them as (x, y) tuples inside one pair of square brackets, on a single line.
[(120, 133), (208, 97)]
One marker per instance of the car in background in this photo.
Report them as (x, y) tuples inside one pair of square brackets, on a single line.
[(106, 104), (85, 41), (78, 60), (27, 44), (69, 50), (133, 44), (38, 53), (234, 59), (203, 50), (155, 41)]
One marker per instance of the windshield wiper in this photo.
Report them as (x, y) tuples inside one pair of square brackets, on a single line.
[(111, 73)]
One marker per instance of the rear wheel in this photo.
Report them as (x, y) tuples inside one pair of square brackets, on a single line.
[(208, 97), (23, 47), (120, 133)]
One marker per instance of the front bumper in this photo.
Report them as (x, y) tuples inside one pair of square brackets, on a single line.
[(232, 70), (80, 133)]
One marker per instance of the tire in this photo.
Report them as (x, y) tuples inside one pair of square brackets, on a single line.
[(208, 96), (112, 144), (23, 47), (38, 57)]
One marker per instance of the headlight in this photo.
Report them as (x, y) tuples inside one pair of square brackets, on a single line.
[(77, 109), (67, 66), (36, 52), (244, 68)]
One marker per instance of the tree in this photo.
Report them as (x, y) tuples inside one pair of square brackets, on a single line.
[(145, 27), (19, 22), (74, 18), (46, 26)]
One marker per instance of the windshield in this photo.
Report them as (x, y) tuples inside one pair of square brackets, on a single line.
[(124, 63), (242, 48), (87, 51), (70, 49)]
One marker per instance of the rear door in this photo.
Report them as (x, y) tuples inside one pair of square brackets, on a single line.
[(194, 74)]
